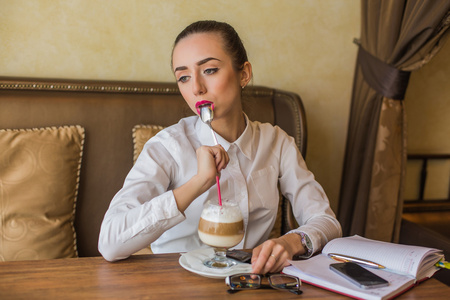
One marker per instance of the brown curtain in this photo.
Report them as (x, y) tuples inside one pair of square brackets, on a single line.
[(397, 37)]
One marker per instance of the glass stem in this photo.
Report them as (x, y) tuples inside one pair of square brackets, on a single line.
[(221, 254)]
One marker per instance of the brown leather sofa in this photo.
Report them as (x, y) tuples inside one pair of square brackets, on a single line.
[(108, 112)]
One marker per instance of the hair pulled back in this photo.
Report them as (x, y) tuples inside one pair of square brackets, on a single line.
[(231, 40)]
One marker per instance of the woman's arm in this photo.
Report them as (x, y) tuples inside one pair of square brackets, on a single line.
[(146, 207), (311, 209)]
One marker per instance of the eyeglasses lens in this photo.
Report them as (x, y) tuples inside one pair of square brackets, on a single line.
[(245, 281), (284, 282)]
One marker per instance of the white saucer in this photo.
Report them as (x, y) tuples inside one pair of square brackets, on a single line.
[(196, 266)]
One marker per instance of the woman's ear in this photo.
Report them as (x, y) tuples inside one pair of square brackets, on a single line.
[(246, 74)]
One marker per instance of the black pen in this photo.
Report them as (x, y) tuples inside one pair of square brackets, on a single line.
[(345, 258)]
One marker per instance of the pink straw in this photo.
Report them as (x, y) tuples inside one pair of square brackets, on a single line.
[(218, 190)]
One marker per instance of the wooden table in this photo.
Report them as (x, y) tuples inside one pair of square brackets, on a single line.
[(145, 277)]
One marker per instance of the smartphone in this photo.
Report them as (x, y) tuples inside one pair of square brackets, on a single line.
[(240, 255), (358, 275)]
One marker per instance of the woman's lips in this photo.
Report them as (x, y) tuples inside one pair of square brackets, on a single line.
[(203, 102)]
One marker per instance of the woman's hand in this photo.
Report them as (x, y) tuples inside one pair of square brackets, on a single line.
[(272, 255), (210, 161)]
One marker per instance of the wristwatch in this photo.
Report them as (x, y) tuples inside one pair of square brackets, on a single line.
[(306, 242)]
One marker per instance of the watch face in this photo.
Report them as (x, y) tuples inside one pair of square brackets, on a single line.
[(308, 242)]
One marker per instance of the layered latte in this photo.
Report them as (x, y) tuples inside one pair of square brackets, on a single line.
[(221, 226)]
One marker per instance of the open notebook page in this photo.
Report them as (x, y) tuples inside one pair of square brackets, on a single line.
[(403, 259), (315, 271)]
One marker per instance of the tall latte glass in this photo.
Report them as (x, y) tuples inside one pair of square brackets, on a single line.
[(221, 227)]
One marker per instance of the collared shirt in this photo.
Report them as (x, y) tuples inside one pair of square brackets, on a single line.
[(145, 212)]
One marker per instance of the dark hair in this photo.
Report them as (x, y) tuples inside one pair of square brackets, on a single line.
[(232, 42)]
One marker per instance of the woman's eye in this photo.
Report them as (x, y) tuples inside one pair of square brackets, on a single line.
[(211, 71), (183, 79)]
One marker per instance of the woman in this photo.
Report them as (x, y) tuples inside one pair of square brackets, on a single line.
[(163, 195)]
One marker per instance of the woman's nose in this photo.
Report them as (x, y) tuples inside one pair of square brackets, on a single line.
[(198, 87)]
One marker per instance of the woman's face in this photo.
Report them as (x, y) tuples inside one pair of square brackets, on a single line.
[(204, 72)]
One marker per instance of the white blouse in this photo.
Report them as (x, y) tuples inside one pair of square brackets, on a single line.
[(144, 211)]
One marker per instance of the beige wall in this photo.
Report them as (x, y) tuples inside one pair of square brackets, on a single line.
[(428, 112), (301, 46)]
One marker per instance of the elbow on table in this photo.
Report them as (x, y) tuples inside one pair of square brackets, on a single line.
[(110, 253)]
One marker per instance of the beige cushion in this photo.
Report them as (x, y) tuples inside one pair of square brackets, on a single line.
[(141, 134), (39, 175)]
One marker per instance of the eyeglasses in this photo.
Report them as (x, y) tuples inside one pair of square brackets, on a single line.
[(247, 281)]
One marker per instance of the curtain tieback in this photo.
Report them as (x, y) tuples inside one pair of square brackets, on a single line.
[(387, 80)]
